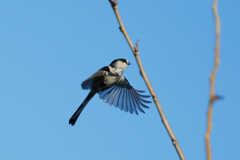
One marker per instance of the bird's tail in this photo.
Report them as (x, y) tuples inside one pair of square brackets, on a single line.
[(74, 117)]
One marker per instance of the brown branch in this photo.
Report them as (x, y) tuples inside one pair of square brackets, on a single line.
[(213, 97), (144, 75)]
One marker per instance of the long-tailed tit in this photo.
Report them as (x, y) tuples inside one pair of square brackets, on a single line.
[(113, 88)]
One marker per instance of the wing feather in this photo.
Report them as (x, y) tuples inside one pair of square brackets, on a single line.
[(125, 97), (128, 102), (138, 102), (134, 104)]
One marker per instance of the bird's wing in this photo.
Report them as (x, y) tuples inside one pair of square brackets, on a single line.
[(87, 84), (125, 97)]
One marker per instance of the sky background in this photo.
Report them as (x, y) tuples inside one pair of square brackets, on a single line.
[(48, 48)]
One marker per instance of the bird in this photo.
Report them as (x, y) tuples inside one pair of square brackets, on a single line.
[(113, 88)]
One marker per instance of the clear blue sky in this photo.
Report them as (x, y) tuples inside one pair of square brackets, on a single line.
[(47, 48)]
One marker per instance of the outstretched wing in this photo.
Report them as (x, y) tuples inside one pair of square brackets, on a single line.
[(125, 97), (87, 84)]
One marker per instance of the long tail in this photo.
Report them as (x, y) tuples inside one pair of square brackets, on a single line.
[(74, 117)]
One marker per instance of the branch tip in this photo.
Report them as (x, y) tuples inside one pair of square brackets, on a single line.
[(137, 43), (115, 3), (136, 48)]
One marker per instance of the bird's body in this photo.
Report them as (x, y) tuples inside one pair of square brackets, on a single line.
[(113, 88)]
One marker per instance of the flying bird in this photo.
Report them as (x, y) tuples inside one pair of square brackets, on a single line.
[(113, 88)]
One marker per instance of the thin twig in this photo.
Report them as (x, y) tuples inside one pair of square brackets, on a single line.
[(213, 96), (144, 75)]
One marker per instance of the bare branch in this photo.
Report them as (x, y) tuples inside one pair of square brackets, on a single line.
[(144, 75), (213, 97)]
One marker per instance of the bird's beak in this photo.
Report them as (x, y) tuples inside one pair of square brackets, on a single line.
[(129, 63)]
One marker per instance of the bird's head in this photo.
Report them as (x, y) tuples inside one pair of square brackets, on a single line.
[(120, 64)]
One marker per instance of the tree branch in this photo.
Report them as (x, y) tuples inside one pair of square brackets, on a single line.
[(213, 97), (135, 51)]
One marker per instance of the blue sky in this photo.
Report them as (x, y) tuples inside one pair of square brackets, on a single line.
[(49, 47)]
